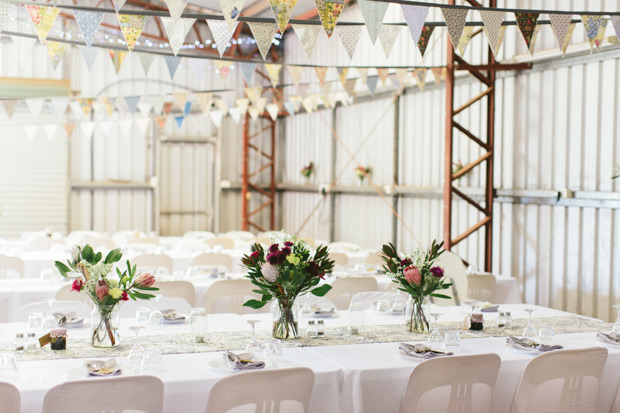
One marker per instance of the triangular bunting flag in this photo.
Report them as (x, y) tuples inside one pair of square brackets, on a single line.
[(373, 13), (5, 9), (221, 105), (278, 96), (260, 105), (527, 26), (145, 108), (223, 68), (177, 30), (9, 106), (118, 4), (31, 131), (176, 8), (158, 104), (216, 117), (188, 108), (242, 105), (198, 67), (146, 59), (69, 128), (465, 38), (87, 129), (493, 28), (86, 104), (395, 81), (363, 72), (439, 73), (594, 26), (308, 35), (143, 125), (273, 70), (117, 57), (59, 106), (420, 77), (205, 100), (247, 68), (50, 130), (282, 10), (221, 34), (76, 109), (88, 22), (295, 72), (253, 93), (455, 20), (272, 109), (387, 37), (231, 9), (289, 107), (425, 36), (349, 86), (329, 13), (132, 103), (320, 73), (56, 51), (172, 62), (415, 16), (371, 82), (160, 121), (89, 54), (35, 106), (263, 34), (350, 37), (131, 25), (107, 127), (326, 88), (253, 111), (181, 99), (615, 21), (383, 74), (401, 75), (126, 126), (42, 19), (235, 115), (342, 74), (108, 105)]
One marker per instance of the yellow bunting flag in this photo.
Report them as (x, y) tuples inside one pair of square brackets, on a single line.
[(273, 69), (329, 13), (42, 19), (131, 25)]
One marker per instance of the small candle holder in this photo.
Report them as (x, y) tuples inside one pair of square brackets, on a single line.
[(476, 322), (58, 339)]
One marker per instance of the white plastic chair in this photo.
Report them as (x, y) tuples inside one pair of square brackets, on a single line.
[(561, 381), (10, 398), (455, 270), (11, 266), (469, 379), (213, 259), (240, 235), (129, 308), (225, 243), (64, 293), (343, 246), (339, 258), (180, 289), (481, 287), (80, 235), (135, 393), (369, 299), (228, 296), (316, 302), (99, 243), (155, 261), (199, 235), (80, 309), (343, 289), (44, 244), (143, 240), (374, 259), (282, 390)]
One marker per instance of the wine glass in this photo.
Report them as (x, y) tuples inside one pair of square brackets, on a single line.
[(49, 321), (529, 330), (306, 309), (435, 336), (616, 327), (156, 318), (254, 345), (137, 351)]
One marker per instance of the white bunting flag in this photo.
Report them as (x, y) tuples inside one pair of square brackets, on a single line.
[(242, 105), (493, 28), (145, 108), (108, 127), (248, 69), (235, 115), (88, 22), (308, 35), (177, 30), (387, 37), (260, 105), (350, 37), (455, 20), (373, 13), (143, 125), (50, 130), (59, 106), (118, 4), (145, 60), (272, 109), (216, 117), (263, 34), (231, 9), (415, 16), (289, 107), (126, 127), (221, 34), (253, 111), (87, 129), (30, 131), (35, 106), (176, 7), (89, 54), (295, 72)]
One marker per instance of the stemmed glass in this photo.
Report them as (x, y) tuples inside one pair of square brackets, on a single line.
[(50, 320), (137, 351), (435, 336), (254, 344), (306, 309), (616, 327), (156, 318), (529, 330)]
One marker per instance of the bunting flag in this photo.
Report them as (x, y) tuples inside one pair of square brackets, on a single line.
[(145, 60), (595, 29), (89, 54), (373, 13), (253, 111), (350, 37), (260, 105), (76, 109), (295, 72), (329, 13), (107, 127), (35, 106), (69, 129), (342, 75), (455, 20), (160, 121), (177, 31), (326, 88), (387, 37), (56, 51), (425, 36), (253, 93), (273, 70), (349, 86), (320, 73), (439, 73), (126, 126), (5, 9), (221, 105), (173, 64), (282, 10), (180, 98), (401, 75), (272, 109), (363, 72), (223, 68), (231, 9), (205, 100), (158, 104), (382, 73), (235, 115), (42, 19), (242, 105), (396, 82), (118, 4), (420, 77), (117, 57), (464, 40), (289, 107), (50, 130), (145, 108), (108, 105), (615, 21), (132, 103), (30, 131), (188, 108), (493, 28), (9, 106), (263, 34), (248, 69), (527, 26), (308, 104), (308, 35), (221, 34), (167, 108), (302, 89), (176, 7), (414, 17), (88, 22), (87, 129), (131, 26), (179, 121), (59, 106), (143, 125), (216, 117), (86, 104)]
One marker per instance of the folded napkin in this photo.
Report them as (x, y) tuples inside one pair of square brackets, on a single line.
[(69, 319), (490, 309), (611, 338), (318, 311), (421, 351), (530, 345), (245, 361), (171, 317), (99, 368)]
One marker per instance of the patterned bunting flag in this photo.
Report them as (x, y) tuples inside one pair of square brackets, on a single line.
[(595, 29), (414, 17), (350, 37), (329, 13), (282, 10), (401, 75), (160, 121), (56, 51), (172, 62), (248, 69), (117, 57), (342, 75), (177, 31), (387, 36), (615, 21), (253, 111), (118, 4), (263, 34), (131, 25), (242, 105), (145, 60), (425, 36), (205, 100), (88, 22), (420, 77), (320, 73), (308, 35), (69, 127), (253, 93), (373, 13), (260, 105), (221, 34), (272, 110), (363, 72), (383, 74), (223, 68), (326, 88), (89, 54), (35, 106), (86, 104), (349, 86), (231, 9), (181, 99), (273, 70), (455, 20), (42, 19), (464, 40), (221, 105), (5, 9), (9, 106), (295, 72), (132, 103), (527, 26), (493, 29), (439, 73), (176, 7), (561, 23)]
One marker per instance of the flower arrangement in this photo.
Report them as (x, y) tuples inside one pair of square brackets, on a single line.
[(417, 275), (105, 289), (362, 172), (307, 170), (282, 272)]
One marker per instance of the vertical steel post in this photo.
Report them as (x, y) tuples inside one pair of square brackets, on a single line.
[(449, 135), (244, 176)]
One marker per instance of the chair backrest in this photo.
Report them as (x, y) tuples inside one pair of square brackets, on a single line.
[(469, 379), (455, 270), (80, 309), (136, 393), (80, 235), (199, 235), (11, 265), (339, 258), (369, 298), (316, 302), (481, 287), (143, 240), (265, 389), (240, 235), (228, 296), (225, 243), (343, 246), (154, 261), (64, 293), (10, 398), (343, 289), (179, 305), (213, 259), (44, 244), (561, 380), (99, 243), (180, 289), (375, 259)]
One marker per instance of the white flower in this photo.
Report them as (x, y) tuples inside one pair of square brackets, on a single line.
[(270, 272), (75, 253)]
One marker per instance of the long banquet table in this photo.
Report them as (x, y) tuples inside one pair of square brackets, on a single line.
[(367, 377)]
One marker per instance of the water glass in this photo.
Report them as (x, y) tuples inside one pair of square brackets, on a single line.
[(273, 348), (151, 360), (356, 318), (142, 316), (35, 320), (546, 334), (198, 325), (8, 364), (452, 338), (383, 306), (398, 308)]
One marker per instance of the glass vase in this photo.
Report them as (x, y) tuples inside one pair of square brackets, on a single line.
[(418, 311), (104, 326), (285, 315)]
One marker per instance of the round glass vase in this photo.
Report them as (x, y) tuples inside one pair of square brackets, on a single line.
[(285, 314), (418, 310), (104, 326)]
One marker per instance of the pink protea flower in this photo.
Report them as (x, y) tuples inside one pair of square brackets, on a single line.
[(413, 275), (77, 285), (101, 290), (145, 280)]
